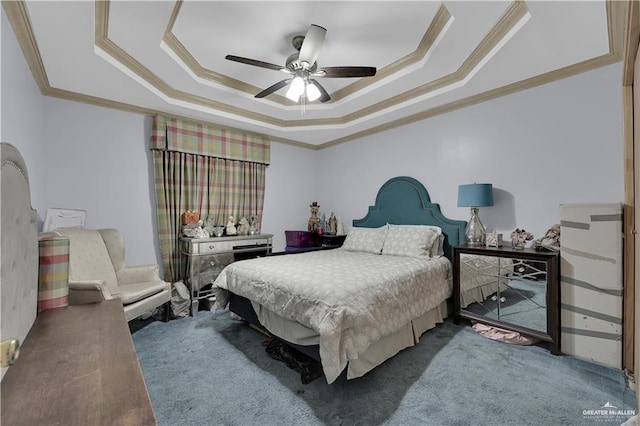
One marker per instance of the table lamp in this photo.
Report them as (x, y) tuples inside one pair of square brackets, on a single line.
[(475, 195)]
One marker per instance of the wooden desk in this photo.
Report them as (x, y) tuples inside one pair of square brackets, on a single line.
[(77, 366)]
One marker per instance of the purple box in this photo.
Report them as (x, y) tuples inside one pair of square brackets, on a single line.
[(300, 238)]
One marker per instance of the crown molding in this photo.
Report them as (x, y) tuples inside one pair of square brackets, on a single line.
[(514, 14), (631, 39), (623, 25)]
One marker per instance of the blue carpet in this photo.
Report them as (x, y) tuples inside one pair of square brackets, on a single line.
[(212, 370)]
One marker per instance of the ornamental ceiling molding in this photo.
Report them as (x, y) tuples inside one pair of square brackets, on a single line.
[(617, 15), (515, 16), (436, 31)]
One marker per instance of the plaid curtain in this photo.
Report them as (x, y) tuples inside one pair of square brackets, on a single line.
[(215, 186)]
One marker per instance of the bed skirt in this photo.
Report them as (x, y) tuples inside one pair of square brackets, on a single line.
[(480, 293), (306, 340)]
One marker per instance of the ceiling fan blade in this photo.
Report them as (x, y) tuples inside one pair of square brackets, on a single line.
[(269, 90), (312, 44), (341, 72), (255, 62), (324, 96)]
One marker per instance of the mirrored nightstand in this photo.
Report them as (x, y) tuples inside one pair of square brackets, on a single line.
[(511, 289)]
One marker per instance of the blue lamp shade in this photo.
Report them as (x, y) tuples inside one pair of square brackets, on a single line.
[(475, 195)]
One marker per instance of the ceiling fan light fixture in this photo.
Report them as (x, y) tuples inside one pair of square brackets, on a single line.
[(313, 93), (302, 67), (296, 89)]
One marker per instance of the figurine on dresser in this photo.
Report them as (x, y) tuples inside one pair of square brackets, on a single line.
[(333, 224), (195, 230), (243, 226), (314, 220), (253, 225), (210, 224), (231, 227)]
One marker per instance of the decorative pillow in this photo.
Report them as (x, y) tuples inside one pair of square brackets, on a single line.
[(409, 241), (368, 240), (437, 249)]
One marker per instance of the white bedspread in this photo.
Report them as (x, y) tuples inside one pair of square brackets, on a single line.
[(350, 298)]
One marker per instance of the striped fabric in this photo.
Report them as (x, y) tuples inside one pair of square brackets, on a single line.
[(170, 134), (592, 282), (215, 187), (53, 277)]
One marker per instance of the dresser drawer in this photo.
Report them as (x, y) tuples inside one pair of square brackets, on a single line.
[(248, 245), (208, 247), (213, 262)]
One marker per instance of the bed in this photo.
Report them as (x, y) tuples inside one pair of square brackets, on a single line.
[(356, 306)]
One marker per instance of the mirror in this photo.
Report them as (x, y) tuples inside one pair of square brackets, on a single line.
[(505, 289)]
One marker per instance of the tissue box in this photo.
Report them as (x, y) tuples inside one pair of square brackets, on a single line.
[(493, 239)]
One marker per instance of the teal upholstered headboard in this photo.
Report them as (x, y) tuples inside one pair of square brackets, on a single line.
[(405, 201)]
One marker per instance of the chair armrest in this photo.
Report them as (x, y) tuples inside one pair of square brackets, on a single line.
[(138, 274), (89, 291)]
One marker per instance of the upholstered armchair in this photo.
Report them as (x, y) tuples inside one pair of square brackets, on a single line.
[(97, 272)]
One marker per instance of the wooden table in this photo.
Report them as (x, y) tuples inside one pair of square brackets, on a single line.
[(77, 366)]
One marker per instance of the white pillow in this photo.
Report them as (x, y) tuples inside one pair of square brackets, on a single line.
[(409, 241), (368, 240), (437, 249)]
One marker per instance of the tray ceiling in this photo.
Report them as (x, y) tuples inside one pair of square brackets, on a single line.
[(431, 57)]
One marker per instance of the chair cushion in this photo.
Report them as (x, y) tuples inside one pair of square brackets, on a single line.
[(115, 246), (131, 293), (88, 257)]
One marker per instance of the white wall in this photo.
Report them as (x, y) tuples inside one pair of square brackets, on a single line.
[(550, 145), (22, 113)]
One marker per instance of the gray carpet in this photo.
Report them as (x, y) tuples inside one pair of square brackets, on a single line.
[(212, 370)]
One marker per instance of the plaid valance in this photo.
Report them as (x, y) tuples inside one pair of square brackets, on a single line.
[(170, 134)]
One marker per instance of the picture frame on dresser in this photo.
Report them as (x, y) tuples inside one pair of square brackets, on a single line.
[(508, 288)]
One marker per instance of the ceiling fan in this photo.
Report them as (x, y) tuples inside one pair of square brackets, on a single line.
[(302, 68)]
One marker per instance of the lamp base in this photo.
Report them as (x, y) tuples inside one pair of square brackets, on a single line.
[(475, 233)]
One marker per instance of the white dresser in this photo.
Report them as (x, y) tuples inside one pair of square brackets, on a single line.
[(207, 257)]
